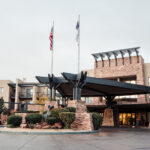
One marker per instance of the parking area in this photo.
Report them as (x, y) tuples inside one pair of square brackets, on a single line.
[(113, 139)]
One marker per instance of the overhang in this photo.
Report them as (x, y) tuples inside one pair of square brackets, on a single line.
[(95, 87)]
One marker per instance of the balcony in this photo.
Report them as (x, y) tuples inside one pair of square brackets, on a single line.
[(12, 95), (24, 95), (29, 96)]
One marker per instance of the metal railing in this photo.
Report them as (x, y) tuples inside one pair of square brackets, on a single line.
[(25, 95), (20, 106)]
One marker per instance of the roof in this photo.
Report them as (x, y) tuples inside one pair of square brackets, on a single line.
[(27, 84), (95, 87), (115, 53)]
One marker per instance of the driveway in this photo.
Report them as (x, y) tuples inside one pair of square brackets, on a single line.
[(107, 139)]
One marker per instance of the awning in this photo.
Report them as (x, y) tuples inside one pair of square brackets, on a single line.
[(95, 87)]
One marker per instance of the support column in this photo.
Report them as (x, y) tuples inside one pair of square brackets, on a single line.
[(34, 97), (108, 119), (53, 94), (77, 82), (17, 94), (83, 120), (77, 93), (50, 94)]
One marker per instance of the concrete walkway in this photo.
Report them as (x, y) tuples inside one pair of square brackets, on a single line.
[(43, 131)]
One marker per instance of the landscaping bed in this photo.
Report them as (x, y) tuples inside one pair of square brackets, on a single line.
[(60, 118)]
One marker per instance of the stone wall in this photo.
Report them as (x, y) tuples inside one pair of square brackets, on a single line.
[(83, 120), (51, 103), (39, 108), (3, 118)]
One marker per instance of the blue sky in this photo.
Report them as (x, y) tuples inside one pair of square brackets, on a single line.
[(105, 25)]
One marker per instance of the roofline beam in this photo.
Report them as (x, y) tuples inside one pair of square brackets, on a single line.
[(94, 90)]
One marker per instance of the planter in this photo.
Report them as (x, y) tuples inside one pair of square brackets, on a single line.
[(23, 115)]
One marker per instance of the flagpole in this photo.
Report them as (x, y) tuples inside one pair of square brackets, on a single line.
[(52, 51), (79, 46)]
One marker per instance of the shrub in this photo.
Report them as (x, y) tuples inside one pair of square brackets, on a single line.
[(51, 120), (5, 111), (14, 121), (67, 118), (33, 118), (71, 109), (1, 105), (45, 112), (55, 112), (97, 120)]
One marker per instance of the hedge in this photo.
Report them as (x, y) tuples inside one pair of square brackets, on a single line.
[(67, 118), (97, 120), (14, 120), (55, 112), (71, 109), (33, 118), (51, 120)]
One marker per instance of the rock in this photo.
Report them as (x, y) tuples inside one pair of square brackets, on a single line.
[(58, 126), (46, 127), (38, 126), (23, 126)]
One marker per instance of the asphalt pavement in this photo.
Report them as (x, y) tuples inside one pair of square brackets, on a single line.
[(107, 139)]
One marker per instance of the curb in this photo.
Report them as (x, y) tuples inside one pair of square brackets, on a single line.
[(49, 133)]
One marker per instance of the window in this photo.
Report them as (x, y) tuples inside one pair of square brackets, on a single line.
[(1, 90), (29, 92), (88, 100)]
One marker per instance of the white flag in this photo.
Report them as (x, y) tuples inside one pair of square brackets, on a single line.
[(78, 28)]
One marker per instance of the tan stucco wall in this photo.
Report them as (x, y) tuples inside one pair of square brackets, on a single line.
[(6, 90), (90, 72)]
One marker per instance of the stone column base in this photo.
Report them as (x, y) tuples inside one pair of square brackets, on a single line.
[(108, 119), (83, 121)]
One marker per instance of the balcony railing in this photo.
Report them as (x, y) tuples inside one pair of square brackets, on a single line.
[(25, 95)]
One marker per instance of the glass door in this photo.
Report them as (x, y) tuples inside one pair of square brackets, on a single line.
[(127, 119)]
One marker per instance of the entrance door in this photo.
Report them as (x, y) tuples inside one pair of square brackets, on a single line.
[(127, 119)]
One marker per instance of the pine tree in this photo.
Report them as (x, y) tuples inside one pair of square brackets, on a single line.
[(1, 105)]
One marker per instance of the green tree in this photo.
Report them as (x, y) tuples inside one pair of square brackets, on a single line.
[(1, 105)]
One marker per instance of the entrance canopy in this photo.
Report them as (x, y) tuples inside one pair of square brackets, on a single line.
[(92, 87)]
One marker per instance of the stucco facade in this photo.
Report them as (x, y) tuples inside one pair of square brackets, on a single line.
[(5, 92)]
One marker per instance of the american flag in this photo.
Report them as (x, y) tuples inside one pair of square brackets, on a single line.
[(51, 38)]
